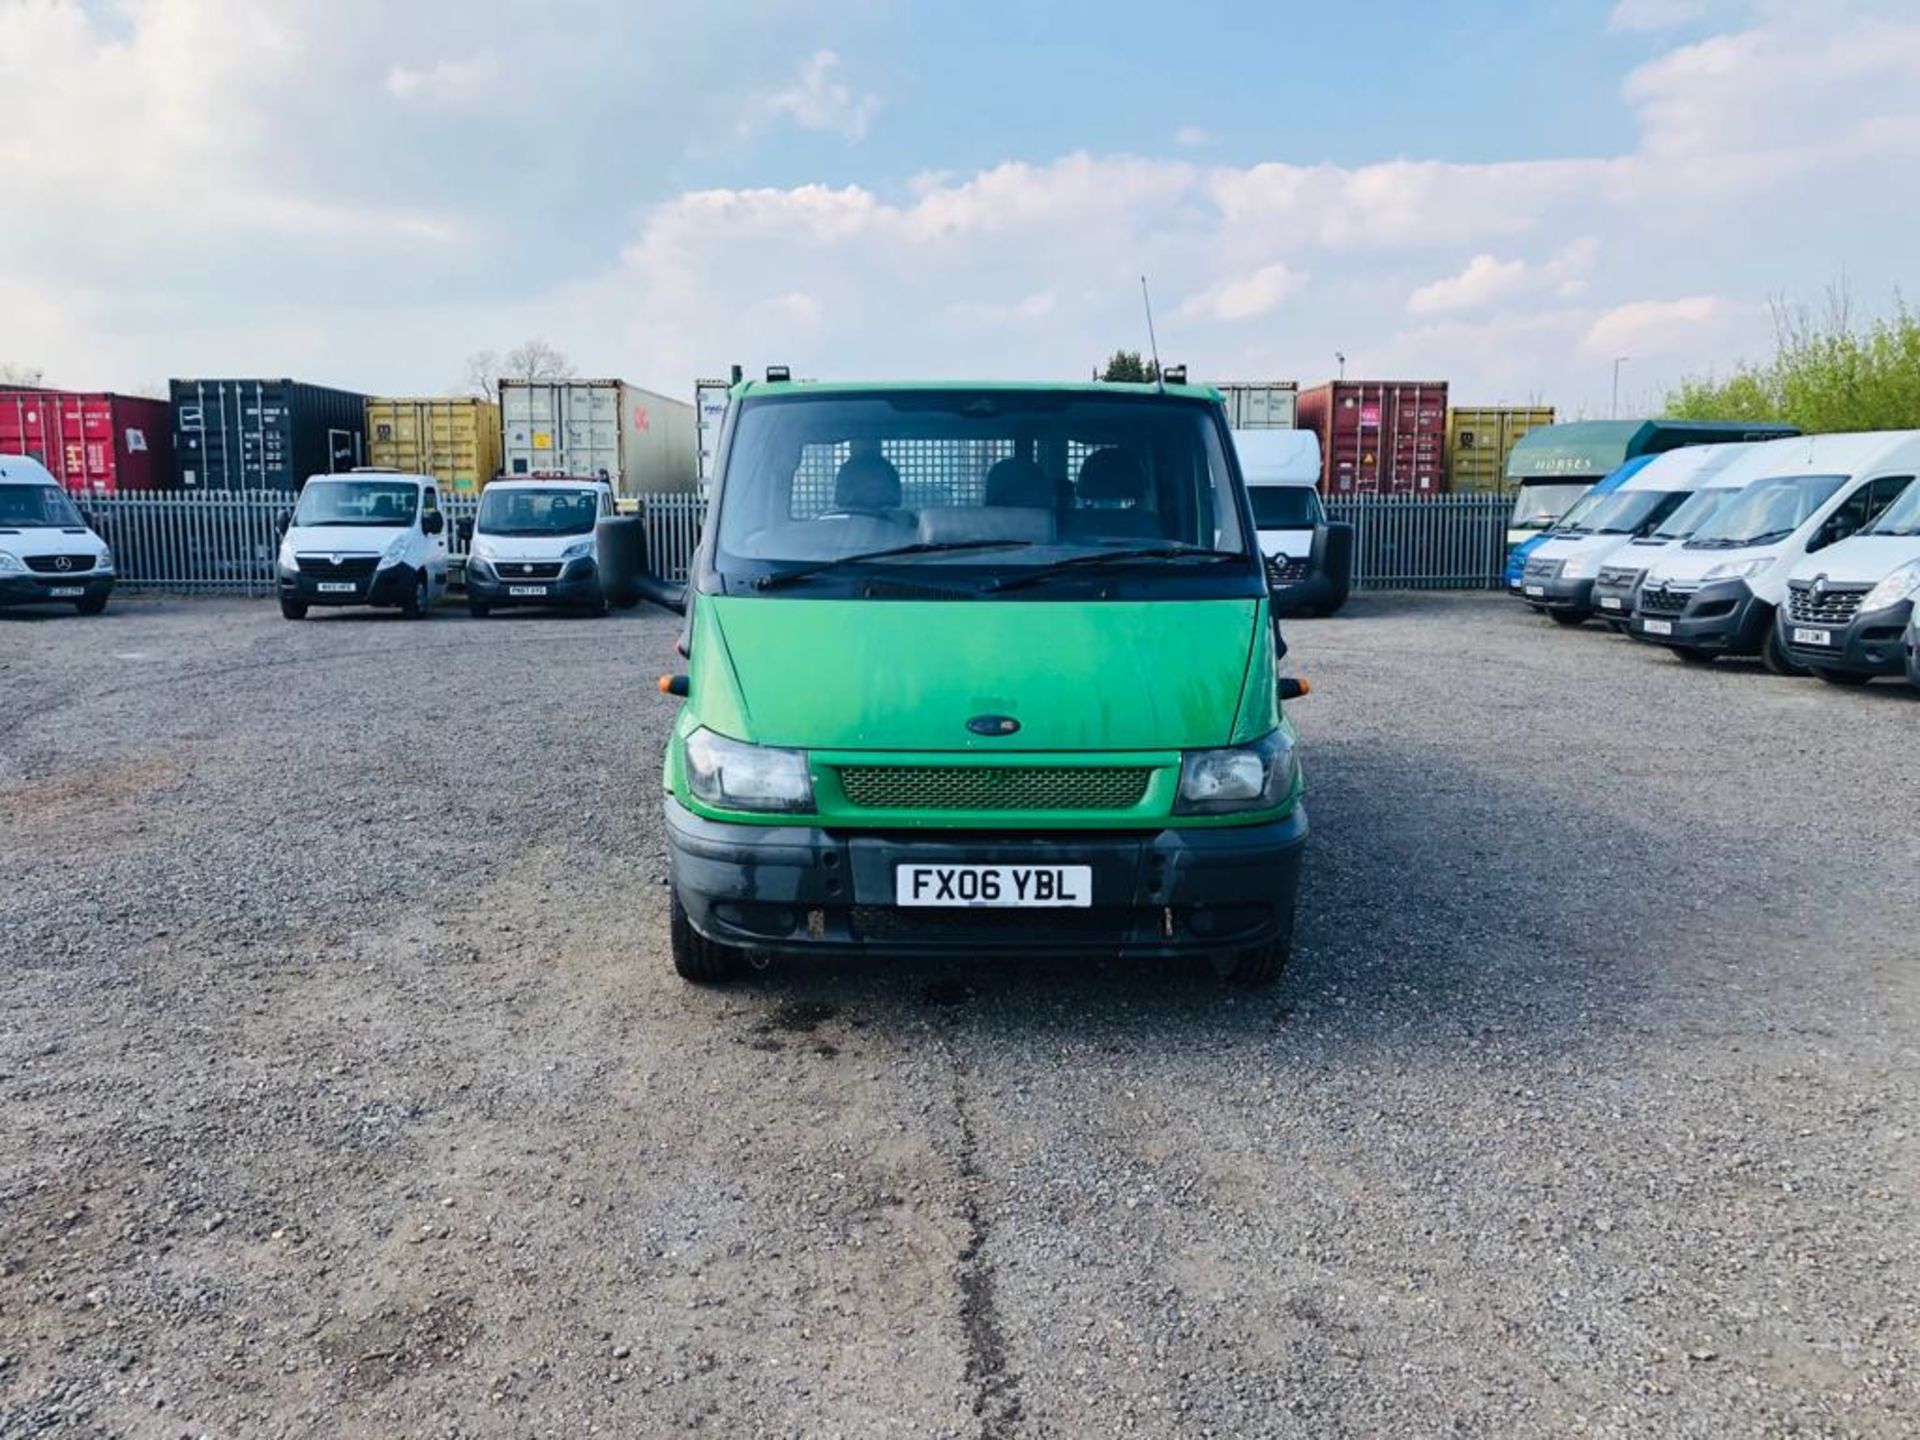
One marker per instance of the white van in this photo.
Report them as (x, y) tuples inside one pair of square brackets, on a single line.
[(1620, 575), (365, 537), (1848, 608), (532, 543), (48, 555), (1561, 572), (1309, 561), (1718, 592)]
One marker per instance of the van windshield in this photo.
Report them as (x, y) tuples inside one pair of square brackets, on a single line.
[(384, 503), (1284, 507), (1900, 518), (1629, 512), (1766, 511), (37, 507), (1688, 518), (1539, 507), (1003, 480), (536, 512)]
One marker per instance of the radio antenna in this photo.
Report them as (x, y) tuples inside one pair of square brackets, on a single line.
[(1153, 344)]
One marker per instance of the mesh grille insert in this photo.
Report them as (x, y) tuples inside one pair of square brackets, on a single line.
[(995, 787)]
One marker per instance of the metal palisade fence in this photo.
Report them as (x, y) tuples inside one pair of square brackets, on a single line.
[(223, 542)]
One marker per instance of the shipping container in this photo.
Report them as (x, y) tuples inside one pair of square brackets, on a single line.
[(1480, 438), (457, 441), (1379, 437), (94, 443), (710, 408), (641, 441), (264, 434), (1260, 404)]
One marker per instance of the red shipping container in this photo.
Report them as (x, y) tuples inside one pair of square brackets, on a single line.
[(1379, 436), (95, 444)]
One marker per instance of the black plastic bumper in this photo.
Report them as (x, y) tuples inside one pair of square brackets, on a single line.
[(1312, 595), (1870, 644), (1724, 618), (1614, 601), (1558, 594), (1913, 653), (38, 589), (391, 586), (1162, 892), (577, 584)]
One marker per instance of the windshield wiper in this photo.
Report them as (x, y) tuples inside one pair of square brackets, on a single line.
[(922, 547), (1112, 557)]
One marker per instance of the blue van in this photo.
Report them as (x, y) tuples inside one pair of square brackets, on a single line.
[(1518, 554)]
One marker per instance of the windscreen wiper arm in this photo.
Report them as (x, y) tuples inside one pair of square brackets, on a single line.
[(1112, 557), (921, 547)]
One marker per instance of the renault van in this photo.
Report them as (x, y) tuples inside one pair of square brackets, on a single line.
[(1848, 607), (1561, 573), (365, 537), (48, 553), (1619, 577), (1719, 592), (1309, 559), (981, 669), (532, 543)]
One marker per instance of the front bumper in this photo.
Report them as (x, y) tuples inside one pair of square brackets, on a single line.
[(1304, 597), (1872, 643), (1913, 654), (1723, 618), (391, 586), (1613, 598), (36, 589), (1556, 592), (1161, 892), (577, 584)]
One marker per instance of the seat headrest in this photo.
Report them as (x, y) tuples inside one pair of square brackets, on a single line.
[(1111, 475), (1017, 482), (867, 482)]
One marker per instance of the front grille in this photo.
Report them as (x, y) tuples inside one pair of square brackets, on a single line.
[(1829, 607), (987, 926), (1539, 570), (1287, 569), (1664, 601), (337, 567), (60, 564), (527, 569), (995, 787), (1619, 577)]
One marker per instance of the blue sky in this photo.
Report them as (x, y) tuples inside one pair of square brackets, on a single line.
[(1504, 195)]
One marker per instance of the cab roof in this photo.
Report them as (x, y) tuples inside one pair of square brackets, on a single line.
[(761, 388), (22, 470), (535, 482), (1278, 457), (1850, 454)]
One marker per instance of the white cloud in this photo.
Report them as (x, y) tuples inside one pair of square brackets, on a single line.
[(1643, 328), (1245, 297), (1191, 137), (446, 81), (817, 99), (1485, 279)]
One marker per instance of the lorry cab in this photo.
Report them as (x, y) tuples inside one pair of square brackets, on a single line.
[(1719, 592), (980, 667), (364, 537), (532, 543), (49, 555), (1849, 608), (1643, 494), (1309, 560)]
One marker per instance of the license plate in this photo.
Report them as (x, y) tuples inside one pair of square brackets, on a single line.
[(1657, 627), (1608, 602), (1812, 637), (994, 886), (526, 590), (67, 592), (337, 587), (1536, 590)]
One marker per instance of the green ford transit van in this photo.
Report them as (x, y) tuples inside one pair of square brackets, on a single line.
[(980, 668)]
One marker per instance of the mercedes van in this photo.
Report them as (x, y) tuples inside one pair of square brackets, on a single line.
[(1718, 593), (979, 668), (48, 553), (364, 537), (1309, 559), (1848, 608), (532, 543)]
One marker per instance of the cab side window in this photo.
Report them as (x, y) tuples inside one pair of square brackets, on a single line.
[(1860, 508)]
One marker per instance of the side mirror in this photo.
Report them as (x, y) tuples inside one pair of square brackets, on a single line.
[(463, 527), (283, 523), (432, 523)]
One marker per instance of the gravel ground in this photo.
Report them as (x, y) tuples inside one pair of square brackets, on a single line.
[(348, 1092)]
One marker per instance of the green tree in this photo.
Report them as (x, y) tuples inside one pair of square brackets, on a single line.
[(1826, 374), (1127, 367)]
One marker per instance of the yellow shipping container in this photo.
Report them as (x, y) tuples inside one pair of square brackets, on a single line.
[(1479, 440), (457, 441)]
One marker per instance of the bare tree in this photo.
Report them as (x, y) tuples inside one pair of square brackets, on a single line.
[(14, 373), (529, 360)]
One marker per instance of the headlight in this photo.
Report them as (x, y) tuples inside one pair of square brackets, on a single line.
[(1578, 568), (730, 775), (1902, 584), (1248, 777), (288, 561), (1738, 569), (579, 550), (395, 553), (104, 560), (481, 548), (9, 563)]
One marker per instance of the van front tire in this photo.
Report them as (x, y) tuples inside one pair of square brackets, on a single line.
[(1775, 657), (420, 601), (1846, 679), (292, 609), (1571, 619), (1262, 965), (92, 605), (696, 958)]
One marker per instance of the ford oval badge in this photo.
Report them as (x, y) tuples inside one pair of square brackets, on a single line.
[(993, 725)]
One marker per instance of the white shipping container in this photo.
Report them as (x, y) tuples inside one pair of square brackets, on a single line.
[(636, 439), (1260, 404), (710, 411)]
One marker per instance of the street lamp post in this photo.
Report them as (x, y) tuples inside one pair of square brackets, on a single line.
[(1618, 361)]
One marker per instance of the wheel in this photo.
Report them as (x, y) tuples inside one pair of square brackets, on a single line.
[(1693, 657), (1571, 619), (1847, 679), (600, 605), (1262, 965), (1618, 627), (479, 609), (92, 605), (1775, 657), (418, 603), (696, 958), (293, 609)]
